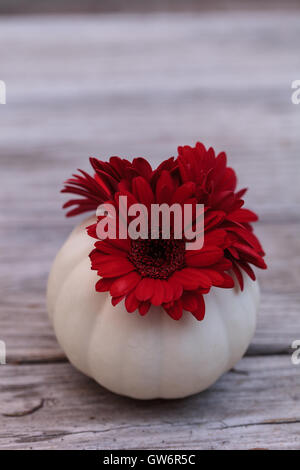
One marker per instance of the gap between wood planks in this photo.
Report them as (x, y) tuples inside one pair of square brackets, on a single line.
[(60, 359), (37, 345)]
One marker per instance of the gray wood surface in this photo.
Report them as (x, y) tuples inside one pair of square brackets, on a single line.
[(132, 85), (50, 407)]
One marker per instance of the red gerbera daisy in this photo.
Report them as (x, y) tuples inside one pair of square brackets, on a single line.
[(107, 178), (162, 272), (216, 185)]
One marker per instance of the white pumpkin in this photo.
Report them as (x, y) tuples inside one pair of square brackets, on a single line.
[(144, 357)]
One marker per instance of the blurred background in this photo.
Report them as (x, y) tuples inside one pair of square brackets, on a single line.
[(138, 78), (104, 6)]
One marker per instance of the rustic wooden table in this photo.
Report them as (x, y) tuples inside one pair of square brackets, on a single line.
[(141, 85)]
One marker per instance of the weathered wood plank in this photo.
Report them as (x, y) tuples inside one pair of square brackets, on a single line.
[(134, 85), (129, 6), (102, 85), (256, 405), (25, 266)]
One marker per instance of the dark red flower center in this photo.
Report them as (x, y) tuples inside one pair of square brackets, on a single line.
[(157, 258)]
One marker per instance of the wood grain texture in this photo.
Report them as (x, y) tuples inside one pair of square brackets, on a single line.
[(130, 6), (53, 406), (278, 323), (132, 85)]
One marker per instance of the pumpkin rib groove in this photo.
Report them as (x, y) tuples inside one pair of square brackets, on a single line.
[(78, 257), (247, 304), (123, 353), (221, 315), (68, 317), (151, 356), (161, 333), (96, 337)]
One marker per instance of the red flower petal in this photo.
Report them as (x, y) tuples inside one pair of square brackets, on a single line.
[(223, 265), (215, 237), (245, 235), (219, 170), (196, 176), (176, 287), (164, 188), (107, 248), (91, 230), (142, 191), (199, 313), (228, 282), (168, 291), (145, 289), (239, 276), (104, 284), (216, 278), (183, 193), (251, 255), (230, 180), (234, 252), (114, 267), (248, 270), (191, 278), (242, 215), (118, 166), (143, 167), (116, 300), (110, 183), (193, 302), (175, 311), (241, 193), (131, 302), (213, 218), (123, 285), (144, 308), (205, 257), (190, 301), (158, 295)]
